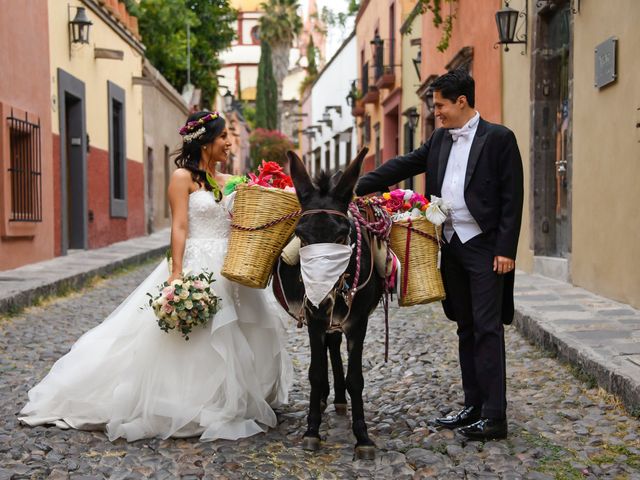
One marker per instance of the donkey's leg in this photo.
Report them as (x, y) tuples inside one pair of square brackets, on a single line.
[(334, 341), (365, 448), (318, 378)]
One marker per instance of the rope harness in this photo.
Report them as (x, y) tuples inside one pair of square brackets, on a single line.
[(377, 225)]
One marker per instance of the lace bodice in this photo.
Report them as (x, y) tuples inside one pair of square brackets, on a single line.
[(208, 219)]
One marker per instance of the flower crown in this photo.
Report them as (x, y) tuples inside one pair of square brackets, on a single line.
[(195, 128)]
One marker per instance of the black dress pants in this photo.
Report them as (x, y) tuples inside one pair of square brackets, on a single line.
[(474, 292)]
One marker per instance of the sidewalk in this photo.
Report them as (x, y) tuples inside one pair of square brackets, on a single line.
[(22, 286), (599, 336)]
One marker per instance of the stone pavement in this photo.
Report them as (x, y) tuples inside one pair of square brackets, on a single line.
[(560, 426), (26, 285), (599, 336)]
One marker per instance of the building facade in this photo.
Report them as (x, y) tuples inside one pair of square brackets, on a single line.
[(26, 161), (97, 127), (164, 112), (379, 86), (580, 80), (329, 139)]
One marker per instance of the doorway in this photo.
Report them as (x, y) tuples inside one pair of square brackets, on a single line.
[(551, 136), (73, 163)]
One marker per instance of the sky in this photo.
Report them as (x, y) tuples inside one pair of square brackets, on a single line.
[(335, 36)]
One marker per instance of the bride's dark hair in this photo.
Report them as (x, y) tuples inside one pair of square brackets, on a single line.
[(189, 155)]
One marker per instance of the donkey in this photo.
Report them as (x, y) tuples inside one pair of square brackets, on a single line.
[(324, 219)]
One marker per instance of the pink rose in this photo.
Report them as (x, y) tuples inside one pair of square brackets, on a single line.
[(199, 285), (168, 292), (166, 308), (398, 193), (394, 204)]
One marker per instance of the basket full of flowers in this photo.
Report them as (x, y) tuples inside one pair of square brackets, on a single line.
[(415, 239), (264, 216)]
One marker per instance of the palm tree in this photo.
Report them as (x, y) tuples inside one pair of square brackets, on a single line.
[(279, 25)]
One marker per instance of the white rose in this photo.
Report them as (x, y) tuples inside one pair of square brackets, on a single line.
[(407, 195)]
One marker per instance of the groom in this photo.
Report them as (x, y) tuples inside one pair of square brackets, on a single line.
[(474, 166)]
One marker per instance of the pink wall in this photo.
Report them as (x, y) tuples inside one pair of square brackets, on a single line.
[(25, 87)]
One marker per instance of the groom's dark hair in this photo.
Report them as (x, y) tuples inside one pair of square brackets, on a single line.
[(455, 83)]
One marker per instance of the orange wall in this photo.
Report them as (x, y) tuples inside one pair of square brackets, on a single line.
[(374, 14), (24, 86), (474, 25)]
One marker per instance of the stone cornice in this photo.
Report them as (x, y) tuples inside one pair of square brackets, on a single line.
[(118, 28)]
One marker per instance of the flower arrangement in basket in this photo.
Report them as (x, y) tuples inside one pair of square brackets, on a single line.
[(185, 303), (415, 239), (265, 213)]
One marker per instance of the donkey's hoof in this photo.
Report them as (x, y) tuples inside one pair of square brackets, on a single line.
[(341, 408), (323, 405), (311, 444), (365, 452)]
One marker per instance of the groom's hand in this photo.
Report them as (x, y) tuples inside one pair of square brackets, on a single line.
[(502, 265)]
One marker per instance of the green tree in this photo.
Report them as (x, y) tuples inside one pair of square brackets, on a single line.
[(163, 26), (266, 95), (279, 25)]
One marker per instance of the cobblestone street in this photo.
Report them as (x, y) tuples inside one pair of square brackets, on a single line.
[(560, 425)]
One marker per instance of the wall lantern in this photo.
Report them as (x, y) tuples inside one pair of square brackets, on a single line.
[(228, 100), (412, 116), (80, 25), (376, 43), (507, 20), (417, 62), (429, 100)]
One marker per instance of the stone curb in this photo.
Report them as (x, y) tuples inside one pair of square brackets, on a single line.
[(608, 375), (100, 261)]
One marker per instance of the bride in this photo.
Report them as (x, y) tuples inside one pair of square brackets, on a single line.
[(135, 381)]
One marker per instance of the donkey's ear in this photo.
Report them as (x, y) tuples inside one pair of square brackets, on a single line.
[(301, 180), (335, 178), (347, 183)]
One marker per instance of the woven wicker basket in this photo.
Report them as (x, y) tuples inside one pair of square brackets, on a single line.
[(263, 222), (421, 281)]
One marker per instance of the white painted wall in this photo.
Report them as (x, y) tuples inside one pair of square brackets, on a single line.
[(331, 88)]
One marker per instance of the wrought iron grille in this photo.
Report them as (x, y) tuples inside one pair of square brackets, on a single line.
[(25, 170)]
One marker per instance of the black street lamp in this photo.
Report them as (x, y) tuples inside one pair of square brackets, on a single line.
[(228, 100), (417, 62), (80, 26), (412, 116), (506, 21)]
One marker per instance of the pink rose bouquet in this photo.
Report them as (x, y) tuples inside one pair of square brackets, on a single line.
[(404, 203), (185, 303)]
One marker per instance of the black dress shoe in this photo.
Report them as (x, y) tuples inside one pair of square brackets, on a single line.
[(466, 416), (485, 429)]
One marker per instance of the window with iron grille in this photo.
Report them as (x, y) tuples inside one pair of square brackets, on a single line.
[(25, 169)]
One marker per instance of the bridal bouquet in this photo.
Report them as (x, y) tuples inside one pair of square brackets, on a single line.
[(185, 303)]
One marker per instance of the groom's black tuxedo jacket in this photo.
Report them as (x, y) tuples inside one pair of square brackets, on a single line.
[(493, 187)]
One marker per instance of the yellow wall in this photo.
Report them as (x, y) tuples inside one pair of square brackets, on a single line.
[(95, 73), (516, 103), (606, 152)]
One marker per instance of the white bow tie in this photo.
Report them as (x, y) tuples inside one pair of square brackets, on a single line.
[(456, 133)]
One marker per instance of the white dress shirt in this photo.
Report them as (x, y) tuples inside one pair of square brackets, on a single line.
[(460, 219)]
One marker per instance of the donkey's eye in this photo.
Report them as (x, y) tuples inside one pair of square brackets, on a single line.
[(342, 239)]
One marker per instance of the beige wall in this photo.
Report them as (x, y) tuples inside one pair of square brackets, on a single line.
[(95, 73), (606, 152), (164, 113), (516, 103)]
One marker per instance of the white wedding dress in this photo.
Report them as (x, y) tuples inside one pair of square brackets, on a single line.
[(133, 380)]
